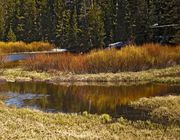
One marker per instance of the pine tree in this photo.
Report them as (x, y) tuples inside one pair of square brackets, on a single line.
[(49, 24), (107, 8), (7, 8), (11, 35), (1, 22), (20, 20), (95, 27), (122, 32), (63, 25)]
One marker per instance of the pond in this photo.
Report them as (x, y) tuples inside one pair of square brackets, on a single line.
[(17, 57), (23, 56), (75, 98)]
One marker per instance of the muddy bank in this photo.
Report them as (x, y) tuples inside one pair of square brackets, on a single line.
[(167, 75)]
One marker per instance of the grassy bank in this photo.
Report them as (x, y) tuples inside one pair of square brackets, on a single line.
[(33, 124), (130, 58), (162, 109), (15, 47), (167, 75)]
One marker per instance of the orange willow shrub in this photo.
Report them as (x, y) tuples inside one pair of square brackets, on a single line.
[(47, 62), (13, 47), (162, 56), (130, 58)]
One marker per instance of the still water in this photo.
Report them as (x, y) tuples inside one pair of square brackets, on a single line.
[(16, 57), (71, 98), (23, 56)]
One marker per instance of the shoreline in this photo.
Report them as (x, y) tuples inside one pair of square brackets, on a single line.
[(166, 75)]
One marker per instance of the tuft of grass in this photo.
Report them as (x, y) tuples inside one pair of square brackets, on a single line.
[(85, 113), (106, 118), (130, 58), (15, 47)]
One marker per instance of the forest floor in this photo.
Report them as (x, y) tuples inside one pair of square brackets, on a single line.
[(33, 124), (166, 75)]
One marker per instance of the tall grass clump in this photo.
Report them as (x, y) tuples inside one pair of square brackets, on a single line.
[(2, 61), (129, 58), (15, 47), (1, 58)]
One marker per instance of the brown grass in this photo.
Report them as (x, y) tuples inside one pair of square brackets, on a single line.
[(130, 58), (13, 47), (2, 61)]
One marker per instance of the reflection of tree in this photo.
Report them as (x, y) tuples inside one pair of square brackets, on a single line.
[(80, 98)]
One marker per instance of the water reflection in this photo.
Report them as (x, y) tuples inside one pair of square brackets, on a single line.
[(75, 98)]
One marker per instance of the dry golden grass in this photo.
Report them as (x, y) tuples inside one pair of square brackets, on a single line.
[(130, 58), (13, 47)]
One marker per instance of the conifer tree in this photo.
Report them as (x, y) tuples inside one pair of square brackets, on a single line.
[(95, 26), (1, 22), (85, 24), (11, 37)]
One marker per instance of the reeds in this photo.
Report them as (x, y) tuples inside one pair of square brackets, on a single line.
[(129, 58), (2, 61), (15, 47)]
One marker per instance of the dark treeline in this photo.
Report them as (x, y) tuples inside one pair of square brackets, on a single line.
[(87, 23)]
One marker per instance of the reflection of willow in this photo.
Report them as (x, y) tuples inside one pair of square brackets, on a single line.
[(3, 87), (79, 98), (110, 97)]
